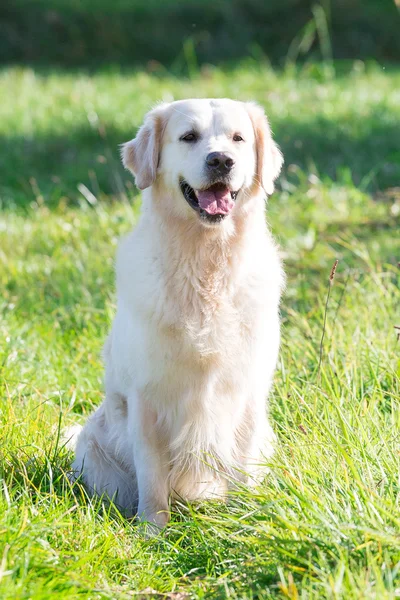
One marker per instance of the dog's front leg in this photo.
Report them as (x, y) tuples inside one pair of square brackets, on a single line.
[(151, 465), (255, 442)]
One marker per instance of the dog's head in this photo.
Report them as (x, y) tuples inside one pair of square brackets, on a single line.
[(206, 155)]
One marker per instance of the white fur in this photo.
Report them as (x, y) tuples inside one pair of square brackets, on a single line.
[(193, 347)]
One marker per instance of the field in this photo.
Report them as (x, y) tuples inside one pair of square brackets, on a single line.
[(326, 521)]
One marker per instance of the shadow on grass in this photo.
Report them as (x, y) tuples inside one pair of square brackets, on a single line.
[(51, 167), (363, 149), (226, 543), (235, 543)]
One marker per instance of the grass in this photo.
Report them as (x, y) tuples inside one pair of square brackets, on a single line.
[(326, 522)]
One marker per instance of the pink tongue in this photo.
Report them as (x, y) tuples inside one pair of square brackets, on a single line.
[(215, 202)]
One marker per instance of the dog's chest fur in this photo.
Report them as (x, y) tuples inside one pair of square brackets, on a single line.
[(204, 310), (209, 305), (198, 307)]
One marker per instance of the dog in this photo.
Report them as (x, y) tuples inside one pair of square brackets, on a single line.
[(190, 358)]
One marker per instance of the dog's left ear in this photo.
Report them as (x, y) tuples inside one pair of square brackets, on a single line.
[(142, 154), (269, 157)]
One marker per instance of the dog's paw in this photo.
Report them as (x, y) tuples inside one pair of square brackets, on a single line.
[(151, 524)]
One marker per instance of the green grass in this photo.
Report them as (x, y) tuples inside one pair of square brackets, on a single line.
[(326, 522)]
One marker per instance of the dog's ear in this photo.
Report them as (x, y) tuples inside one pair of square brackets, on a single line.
[(142, 154), (269, 157)]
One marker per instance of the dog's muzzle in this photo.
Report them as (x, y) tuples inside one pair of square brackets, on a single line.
[(213, 203)]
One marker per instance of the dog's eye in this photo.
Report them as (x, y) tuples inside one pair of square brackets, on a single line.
[(237, 138), (189, 137)]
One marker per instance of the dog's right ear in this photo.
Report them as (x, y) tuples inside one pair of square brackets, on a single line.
[(142, 154)]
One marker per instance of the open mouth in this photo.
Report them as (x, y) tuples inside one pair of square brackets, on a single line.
[(213, 203)]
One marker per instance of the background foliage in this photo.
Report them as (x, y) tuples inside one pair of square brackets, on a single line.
[(93, 32)]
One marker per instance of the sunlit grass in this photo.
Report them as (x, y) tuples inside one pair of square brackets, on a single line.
[(326, 522)]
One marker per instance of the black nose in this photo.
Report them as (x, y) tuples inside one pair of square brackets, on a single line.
[(221, 162)]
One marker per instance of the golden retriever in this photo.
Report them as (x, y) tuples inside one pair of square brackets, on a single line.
[(194, 344)]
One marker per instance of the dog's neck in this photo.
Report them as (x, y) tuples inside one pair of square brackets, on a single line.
[(205, 257)]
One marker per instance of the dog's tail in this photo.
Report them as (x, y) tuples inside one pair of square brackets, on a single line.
[(70, 436)]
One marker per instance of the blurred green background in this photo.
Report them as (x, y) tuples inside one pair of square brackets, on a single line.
[(93, 32)]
